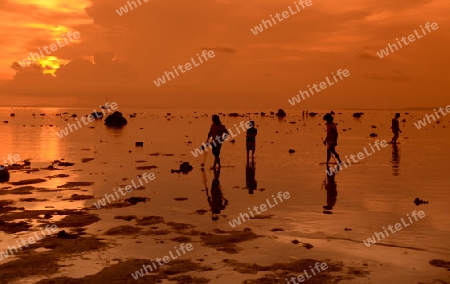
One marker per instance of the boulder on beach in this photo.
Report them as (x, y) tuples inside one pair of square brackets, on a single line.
[(358, 114), (373, 135), (312, 114), (4, 175), (234, 114), (281, 113), (116, 120)]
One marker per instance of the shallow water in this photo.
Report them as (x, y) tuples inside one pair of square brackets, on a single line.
[(373, 193)]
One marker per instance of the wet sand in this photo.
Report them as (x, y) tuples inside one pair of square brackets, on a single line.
[(66, 176)]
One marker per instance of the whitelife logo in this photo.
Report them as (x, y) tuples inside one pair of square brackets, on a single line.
[(411, 38), (237, 221), (140, 273), (422, 123), (188, 66), (35, 57), (322, 85), (398, 227), (285, 15), (360, 156), (124, 9)]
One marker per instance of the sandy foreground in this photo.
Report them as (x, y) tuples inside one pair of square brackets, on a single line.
[(107, 246)]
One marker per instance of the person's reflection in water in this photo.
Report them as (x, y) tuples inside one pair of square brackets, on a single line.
[(331, 188), (250, 172), (395, 160), (216, 200)]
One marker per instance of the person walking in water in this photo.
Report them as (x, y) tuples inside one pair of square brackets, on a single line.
[(395, 128), (251, 139), (331, 139), (216, 132)]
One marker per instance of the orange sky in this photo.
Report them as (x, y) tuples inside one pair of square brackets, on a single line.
[(120, 56)]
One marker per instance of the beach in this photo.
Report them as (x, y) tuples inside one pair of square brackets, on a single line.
[(324, 219)]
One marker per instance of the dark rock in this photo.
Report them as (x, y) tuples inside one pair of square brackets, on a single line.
[(312, 114), (358, 114), (185, 168), (281, 113), (96, 115), (295, 242), (135, 200), (233, 114), (139, 144), (291, 151), (116, 120), (4, 175), (419, 201), (373, 135)]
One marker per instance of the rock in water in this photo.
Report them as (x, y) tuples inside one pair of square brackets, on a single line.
[(116, 120), (185, 167), (281, 113), (96, 115), (4, 175)]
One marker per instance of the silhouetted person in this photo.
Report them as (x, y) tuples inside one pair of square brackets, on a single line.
[(250, 172), (216, 200), (331, 188), (216, 132), (332, 137), (395, 128), (251, 139)]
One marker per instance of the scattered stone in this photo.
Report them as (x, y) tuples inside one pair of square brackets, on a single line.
[(146, 167), (373, 135), (419, 201), (291, 151), (180, 198), (295, 242), (96, 115), (281, 113), (277, 230), (185, 168), (135, 200), (358, 114)]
